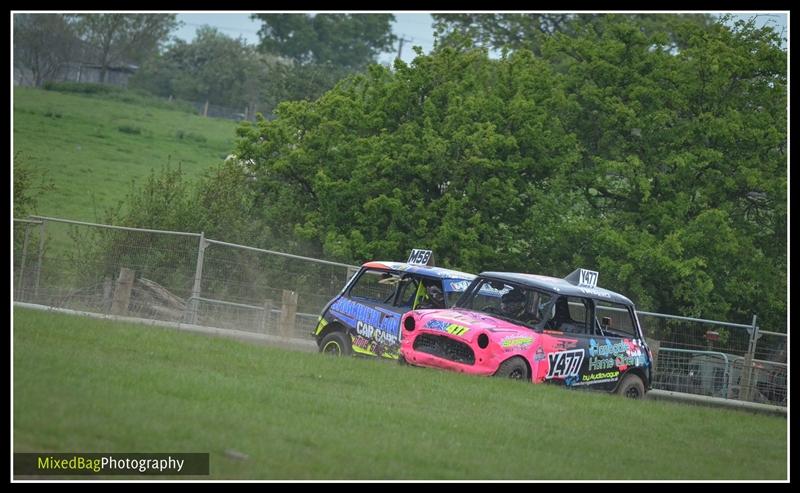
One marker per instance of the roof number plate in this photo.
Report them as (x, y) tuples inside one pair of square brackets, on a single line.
[(588, 278), (420, 257)]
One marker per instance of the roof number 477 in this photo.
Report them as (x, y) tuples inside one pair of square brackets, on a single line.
[(588, 278)]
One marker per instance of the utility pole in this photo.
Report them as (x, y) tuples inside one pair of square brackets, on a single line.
[(400, 49)]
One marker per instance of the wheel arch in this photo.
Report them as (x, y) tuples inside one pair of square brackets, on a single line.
[(524, 360), (333, 326), (639, 372)]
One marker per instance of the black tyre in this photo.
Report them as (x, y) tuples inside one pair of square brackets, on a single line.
[(514, 368), (336, 344), (631, 387)]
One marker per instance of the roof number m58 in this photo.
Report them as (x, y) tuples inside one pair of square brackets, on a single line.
[(588, 278), (420, 257)]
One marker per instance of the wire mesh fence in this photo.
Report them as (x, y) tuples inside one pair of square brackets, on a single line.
[(171, 276), (185, 277)]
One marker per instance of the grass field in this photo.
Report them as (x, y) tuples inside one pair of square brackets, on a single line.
[(84, 385), (92, 148)]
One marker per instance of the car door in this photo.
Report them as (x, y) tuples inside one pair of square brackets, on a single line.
[(611, 343)]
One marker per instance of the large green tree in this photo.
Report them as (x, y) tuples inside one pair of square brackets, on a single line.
[(664, 167), (212, 67), (321, 50), (343, 40), (530, 31), (455, 152), (682, 165), (121, 38)]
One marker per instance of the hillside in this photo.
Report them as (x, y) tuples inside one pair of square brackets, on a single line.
[(92, 148)]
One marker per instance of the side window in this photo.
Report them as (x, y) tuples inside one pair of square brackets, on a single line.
[(569, 315), (614, 319), (407, 291), (376, 286), (578, 308)]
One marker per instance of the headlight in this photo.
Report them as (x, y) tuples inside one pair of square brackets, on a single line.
[(483, 341), (409, 323)]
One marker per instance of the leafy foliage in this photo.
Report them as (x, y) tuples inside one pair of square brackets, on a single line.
[(343, 40), (659, 163)]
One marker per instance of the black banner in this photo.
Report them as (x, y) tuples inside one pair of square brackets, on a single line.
[(110, 464)]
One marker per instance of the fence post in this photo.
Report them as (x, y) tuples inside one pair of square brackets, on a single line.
[(39, 260), (205, 109), (288, 312), (122, 292), (267, 318), (745, 385), (22, 263), (198, 277)]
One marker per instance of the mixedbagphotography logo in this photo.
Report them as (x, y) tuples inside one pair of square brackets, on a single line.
[(101, 464)]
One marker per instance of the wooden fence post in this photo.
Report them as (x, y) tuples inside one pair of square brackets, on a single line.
[(122, 292), (266, 320), (288, 312)]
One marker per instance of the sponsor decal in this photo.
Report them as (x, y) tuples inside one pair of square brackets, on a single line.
[(601, 363), (595, 292), (450, 328), (564, 364), (539, 356), (564, 344), (516, 342), (607, 349), (376, 334), (352, 313), (457, 286), (604, 377)]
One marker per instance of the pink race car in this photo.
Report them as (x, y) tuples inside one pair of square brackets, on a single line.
[(537, 328)]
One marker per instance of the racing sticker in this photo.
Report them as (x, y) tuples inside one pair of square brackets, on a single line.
[(450, 328), (514, 343), (564, 364)]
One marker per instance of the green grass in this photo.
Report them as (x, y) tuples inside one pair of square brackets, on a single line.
[(85, 385), (92, 147)]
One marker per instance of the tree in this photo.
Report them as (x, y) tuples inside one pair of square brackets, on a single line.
[(213, 67), (43, 44), (118, 38), (454, 152), (682, 165), (516, 31), (345, 40)]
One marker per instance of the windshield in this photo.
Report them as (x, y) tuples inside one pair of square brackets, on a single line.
[(517, 304)]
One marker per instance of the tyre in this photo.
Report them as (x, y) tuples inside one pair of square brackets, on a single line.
[(336, 344), (631, 387), (514, 368)]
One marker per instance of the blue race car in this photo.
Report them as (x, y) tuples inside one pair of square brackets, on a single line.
[(365, 317)]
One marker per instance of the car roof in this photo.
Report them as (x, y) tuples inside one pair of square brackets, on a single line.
[(421, 269), (560, 286)]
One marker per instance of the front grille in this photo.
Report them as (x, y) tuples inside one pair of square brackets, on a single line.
[(445, 347)]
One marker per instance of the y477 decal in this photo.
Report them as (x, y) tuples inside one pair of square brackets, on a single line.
[(564, 364)]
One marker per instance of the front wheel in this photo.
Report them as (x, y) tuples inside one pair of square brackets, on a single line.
[(336, 344), (631, 387), (514, 368)]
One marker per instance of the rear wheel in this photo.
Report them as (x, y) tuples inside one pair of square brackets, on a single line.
[(631, 387), (514, 368), (336, 344)]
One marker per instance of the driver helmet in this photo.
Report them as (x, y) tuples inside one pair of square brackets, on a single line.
[(436, 295), (513, 302)]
